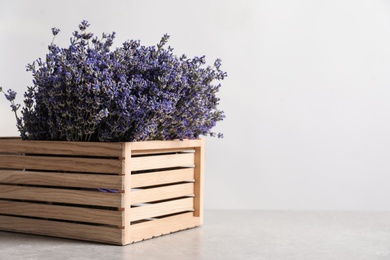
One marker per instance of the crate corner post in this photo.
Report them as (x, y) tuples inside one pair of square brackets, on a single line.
[(199, 180), (126, 173)]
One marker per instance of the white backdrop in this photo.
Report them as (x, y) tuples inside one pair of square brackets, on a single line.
[(307, 97)]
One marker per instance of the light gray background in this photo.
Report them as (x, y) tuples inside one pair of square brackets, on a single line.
[(307, 97)]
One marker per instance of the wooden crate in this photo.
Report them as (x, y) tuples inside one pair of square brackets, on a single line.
[(57, 188)]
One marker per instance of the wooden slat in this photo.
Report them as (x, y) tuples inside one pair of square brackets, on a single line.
[(162, 161), (161, 151), (171, 144), (62, 179), (162, 226), (160, 209), (59, 229), (126, 198), (162, 193), (125, 164), (97, 216), (14, 145), (199, 182), (61, 164), (61, 195), (162, 177)]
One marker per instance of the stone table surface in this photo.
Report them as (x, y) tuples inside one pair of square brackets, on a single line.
[(233, 234)]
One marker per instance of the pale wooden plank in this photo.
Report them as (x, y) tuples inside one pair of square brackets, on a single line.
[(162, 226), (61, 195), (160, 209), (126, 198), (109, 166), (160, 151), (62, 179), (126, 166), (199, 181), (162, 161), (98, 216), (162, 193), (14, 145), (170, 144), (162, 177), (60, 229)]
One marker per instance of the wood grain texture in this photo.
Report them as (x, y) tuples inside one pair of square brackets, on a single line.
[(61, 195), (199, 183), (172, 144), (126, 198), (16, 145), (162, 193), (162, 226), (62, 179), (161, 209), (162, 161), (162, 177), (59, 229), (178, 172), (160, 151), (109, 166), (97, 216)]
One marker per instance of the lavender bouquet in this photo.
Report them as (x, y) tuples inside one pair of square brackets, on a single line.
[(88, 92)]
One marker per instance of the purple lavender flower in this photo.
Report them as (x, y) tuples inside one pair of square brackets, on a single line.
[(55, 31), (11, 95), (83, 25), (88, 92)]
